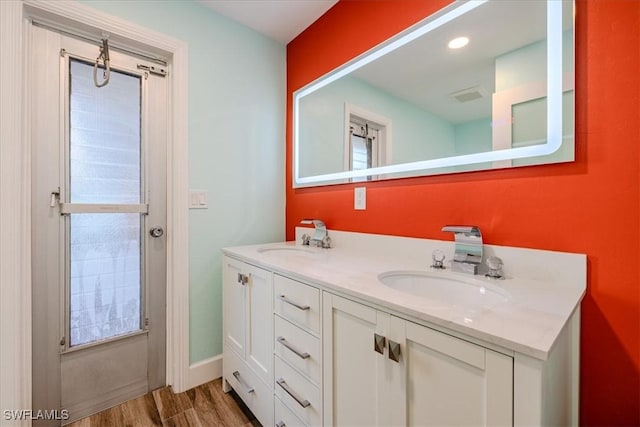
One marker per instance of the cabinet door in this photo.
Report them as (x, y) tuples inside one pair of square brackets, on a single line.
[(234, 305), (356, 377), (448, 381), (259, 322), (248, 315)]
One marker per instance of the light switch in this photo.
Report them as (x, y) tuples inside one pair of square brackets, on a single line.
[(197, 199), (360, 198)]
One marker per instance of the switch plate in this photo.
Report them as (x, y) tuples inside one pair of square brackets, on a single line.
[(360, 198), (198, 199)]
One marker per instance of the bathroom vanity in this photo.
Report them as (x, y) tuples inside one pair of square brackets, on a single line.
[(365, 333)]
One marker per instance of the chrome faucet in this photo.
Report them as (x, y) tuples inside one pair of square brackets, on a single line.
[(468, 252), (320, 236)]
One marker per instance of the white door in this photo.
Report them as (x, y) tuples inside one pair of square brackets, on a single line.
[(99, 187)]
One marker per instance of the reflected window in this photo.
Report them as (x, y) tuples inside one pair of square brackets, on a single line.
[(366, 145)]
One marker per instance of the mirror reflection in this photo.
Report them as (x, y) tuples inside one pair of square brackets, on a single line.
[(472, 93)]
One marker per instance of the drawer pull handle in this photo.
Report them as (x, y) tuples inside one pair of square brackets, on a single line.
[(280, 424), (249, 389), (304, 403), (295, 351), (296, 305)]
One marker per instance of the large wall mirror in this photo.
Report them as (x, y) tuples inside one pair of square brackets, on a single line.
[(478, 85)]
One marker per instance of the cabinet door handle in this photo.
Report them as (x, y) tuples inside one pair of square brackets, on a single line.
[(295, 304), (249, 389), (304, 403), (280, 424), (295, 351), (379, 343), (243, 279), (394, 351)]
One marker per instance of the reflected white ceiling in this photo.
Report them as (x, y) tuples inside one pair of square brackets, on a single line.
[(425, 72), (281, 20)]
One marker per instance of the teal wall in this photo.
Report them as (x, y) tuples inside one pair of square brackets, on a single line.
[(529, 63), (473, 136), (236, 144)]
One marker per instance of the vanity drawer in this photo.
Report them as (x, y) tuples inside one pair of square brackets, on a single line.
[(297, 347), (284, 417), (297, 302), (253, 392), (297, 393)]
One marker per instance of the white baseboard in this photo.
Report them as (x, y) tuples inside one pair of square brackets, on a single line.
[(204, 371)]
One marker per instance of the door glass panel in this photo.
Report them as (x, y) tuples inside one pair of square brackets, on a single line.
[(104, 167), (360, 153), (105, 291), (104, 137)]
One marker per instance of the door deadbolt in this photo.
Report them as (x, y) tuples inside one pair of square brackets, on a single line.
[(156, 231)]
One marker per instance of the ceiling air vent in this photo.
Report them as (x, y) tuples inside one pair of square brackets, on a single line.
[(469, 94)]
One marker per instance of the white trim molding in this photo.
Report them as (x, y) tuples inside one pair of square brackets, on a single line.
[(15, 185), (15, 219), (204, 371)]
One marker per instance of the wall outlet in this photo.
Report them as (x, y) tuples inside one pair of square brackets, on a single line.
[(360, 198)]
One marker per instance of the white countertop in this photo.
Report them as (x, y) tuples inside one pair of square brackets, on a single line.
[(528, 323)]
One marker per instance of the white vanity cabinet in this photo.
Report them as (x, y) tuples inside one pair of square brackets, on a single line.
[(313, 337), (383, 370), (248, 332)]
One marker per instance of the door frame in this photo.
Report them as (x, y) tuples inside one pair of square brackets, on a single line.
[(15, 184)]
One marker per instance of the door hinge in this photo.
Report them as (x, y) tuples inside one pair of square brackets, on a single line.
[(158, 71), (146, 321)]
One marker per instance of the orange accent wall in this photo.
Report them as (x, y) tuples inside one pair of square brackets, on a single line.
[(589, 206)]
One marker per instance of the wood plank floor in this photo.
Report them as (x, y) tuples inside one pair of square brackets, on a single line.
[(202, 406)]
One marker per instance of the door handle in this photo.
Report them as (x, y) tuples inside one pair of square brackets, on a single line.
[(394, 351), (243, 279), (156, 231), (379, 343)]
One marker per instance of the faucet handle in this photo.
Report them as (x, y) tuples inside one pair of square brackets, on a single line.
[(466, 230), (317, 223), (438, 259), (495, 268)]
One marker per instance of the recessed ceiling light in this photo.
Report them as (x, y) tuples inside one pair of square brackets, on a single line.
[(458, 42)]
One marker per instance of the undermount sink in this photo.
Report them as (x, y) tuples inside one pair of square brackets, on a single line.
[(286, 249), (446, 288)]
